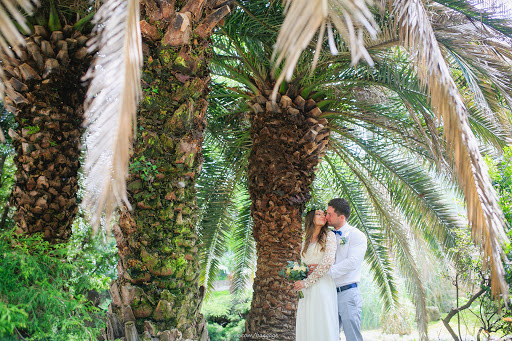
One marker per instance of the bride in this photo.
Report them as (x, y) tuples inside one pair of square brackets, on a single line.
[(317, 312)]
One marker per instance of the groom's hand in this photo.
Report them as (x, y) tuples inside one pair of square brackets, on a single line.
[(312, 268)]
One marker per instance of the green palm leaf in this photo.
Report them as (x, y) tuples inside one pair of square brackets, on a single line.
[(411, 187), (417, 35), (388, 154), (217, 199), (244, 247), (497, 17)]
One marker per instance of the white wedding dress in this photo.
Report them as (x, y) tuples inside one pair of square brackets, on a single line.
[(317, 312)]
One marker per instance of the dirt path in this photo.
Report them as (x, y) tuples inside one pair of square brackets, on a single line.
[(436, 332)]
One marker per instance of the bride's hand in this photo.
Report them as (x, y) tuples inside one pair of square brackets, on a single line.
[(298, 285)]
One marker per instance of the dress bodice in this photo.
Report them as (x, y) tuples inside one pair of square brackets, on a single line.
[(324, 259), (314, 254)]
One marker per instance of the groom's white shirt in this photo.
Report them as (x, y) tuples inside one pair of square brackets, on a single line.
[(349, 256)]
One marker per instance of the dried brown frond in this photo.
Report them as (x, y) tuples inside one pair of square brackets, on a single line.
[(489, 57), (305, 17), (484, 214), (111, 105)]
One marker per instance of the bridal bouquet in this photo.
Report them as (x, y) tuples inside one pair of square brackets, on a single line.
[(295, 272)]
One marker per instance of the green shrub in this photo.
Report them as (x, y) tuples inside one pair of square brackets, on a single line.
[(11, 317), (43, 292), (7, 168), (501, 174), (225, 320)]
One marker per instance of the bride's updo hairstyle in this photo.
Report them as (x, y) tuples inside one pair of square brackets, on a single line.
[(309, 228)]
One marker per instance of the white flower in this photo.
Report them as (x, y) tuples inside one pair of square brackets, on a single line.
[(303, 268), (296, 267)]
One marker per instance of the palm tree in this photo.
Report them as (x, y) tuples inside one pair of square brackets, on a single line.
[(383, 147), (158, 272), (105, 192), (415, 31), (409, 20), (45, 91)]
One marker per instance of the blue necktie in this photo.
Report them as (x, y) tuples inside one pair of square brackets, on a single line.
[(337, 232)]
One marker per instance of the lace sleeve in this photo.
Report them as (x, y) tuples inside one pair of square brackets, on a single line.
[(327, 261)]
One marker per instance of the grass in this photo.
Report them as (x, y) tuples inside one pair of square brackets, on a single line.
[(218, 304)]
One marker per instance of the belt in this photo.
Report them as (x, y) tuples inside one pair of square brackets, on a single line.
[(346, 287)]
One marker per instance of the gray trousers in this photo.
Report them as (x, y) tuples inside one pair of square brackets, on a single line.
[(350, 303)]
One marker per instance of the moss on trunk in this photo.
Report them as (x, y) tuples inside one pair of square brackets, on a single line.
[(157, 242)]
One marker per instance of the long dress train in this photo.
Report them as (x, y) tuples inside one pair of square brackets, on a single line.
[(317, 312)]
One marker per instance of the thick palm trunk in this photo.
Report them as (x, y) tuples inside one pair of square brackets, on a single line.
[(288, 140), (158, 285), (47, 95)]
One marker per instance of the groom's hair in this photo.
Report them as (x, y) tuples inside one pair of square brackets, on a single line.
[(341, 206)]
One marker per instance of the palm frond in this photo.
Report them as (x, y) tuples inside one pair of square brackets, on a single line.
[(218, 206), (494, 15), (384, 110), (111, 105), (484, 215), (12, 13), (228, 124), (491, 129), (225, 223), (388, 103), (305, 17), (482, 61), (242, 45), (244, 247), (223, 200), (386, 38), (411, 187)]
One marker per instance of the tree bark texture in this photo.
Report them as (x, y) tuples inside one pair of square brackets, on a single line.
[(288, 139), (158, 272), (46, 93)]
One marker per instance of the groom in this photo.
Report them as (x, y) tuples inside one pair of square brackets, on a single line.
[(346, 270)]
